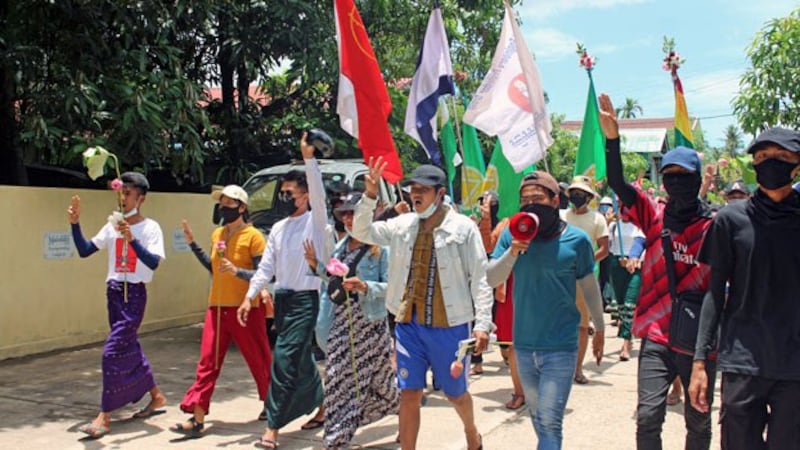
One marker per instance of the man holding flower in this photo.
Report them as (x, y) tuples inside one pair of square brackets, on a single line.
[(136, 247)]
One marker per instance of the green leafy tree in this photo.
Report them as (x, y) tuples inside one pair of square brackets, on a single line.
[(770, 87), (733, 141), (630, 109)]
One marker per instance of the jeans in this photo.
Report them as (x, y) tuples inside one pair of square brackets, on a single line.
[(751, 404), (658, 366), (547, 380)]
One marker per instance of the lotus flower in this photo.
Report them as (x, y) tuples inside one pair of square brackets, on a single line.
[(116, 184), (723, 162), (456, 369), (220, 248), (95, 158), (337, 268)]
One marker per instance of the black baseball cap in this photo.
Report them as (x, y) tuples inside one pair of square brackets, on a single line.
[(427, 175), (738, 186), (782, 137), (349, 204), (136, 180)]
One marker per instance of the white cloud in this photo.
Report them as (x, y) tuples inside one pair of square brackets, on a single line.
[(540, 9), (550, 44), (707, 93)]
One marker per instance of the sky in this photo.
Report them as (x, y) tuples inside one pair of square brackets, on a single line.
[(626, 37)]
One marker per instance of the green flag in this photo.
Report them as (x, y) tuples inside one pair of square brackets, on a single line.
[(473, 170), (449, 149), (591, 157), (501, 178)]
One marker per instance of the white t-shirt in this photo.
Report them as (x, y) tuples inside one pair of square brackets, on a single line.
[(592, 222), (629, 233), (148, 233)]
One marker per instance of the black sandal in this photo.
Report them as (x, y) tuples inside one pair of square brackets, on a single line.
[(195, 432)]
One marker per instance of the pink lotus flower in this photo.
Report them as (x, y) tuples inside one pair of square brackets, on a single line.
[(456, 369), (337, 268), (651, 191), (723, 162), (116, 184), (220, 247)]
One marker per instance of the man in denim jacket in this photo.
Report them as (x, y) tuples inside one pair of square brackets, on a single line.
[(437, 288)]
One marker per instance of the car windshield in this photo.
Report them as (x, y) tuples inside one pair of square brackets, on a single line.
[(263, 189)]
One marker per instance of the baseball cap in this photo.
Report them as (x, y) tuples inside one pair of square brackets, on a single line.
[(427, 175), (136, 180), (539, 178), (738, 186), (682, 156), (782, 137), (231, 191), (606, 201), (583, 183), (349, 204)]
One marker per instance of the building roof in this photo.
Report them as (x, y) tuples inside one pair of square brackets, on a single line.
[(639, 135), (254, 92)]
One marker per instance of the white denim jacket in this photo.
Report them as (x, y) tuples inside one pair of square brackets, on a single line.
[(460, 257)]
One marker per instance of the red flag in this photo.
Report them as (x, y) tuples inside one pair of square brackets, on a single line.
[(363, 105)]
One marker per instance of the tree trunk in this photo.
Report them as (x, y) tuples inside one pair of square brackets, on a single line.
[(12, 167)]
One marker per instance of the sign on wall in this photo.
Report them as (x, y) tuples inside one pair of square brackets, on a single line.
[(58, 245), (179, 243)]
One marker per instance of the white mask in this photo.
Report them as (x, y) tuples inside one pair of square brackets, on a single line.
[(430, 210), (132, 212)]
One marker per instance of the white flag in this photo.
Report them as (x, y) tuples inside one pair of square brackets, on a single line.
[(510, 102), (432, 79)]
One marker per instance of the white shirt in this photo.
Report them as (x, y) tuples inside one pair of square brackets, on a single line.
[(284, 256), (629, 233), (148, 233)]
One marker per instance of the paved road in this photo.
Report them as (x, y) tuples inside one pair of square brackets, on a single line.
[(44, 399)]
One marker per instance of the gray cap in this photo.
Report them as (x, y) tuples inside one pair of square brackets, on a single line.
[(427, 175)]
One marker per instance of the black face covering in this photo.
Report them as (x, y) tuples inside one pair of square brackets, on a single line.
[(338, 225), (774, 174), (578, 199), (683, 206), (285, 205), (549, 220), (229, 214)]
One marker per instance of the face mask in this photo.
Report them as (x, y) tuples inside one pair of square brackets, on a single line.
[(682, 187), (286, 205), (578, 199), (338, 225), (132, 212), (229, 214), (774, 174), (548, 219), (430, 210)]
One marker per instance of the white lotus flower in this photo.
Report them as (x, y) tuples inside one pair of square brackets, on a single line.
[(95, 158)]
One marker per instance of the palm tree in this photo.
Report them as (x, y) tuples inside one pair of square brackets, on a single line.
[(630, 109), (733, 140)]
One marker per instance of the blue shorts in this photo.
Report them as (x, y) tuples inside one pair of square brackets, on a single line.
[(420, 347)]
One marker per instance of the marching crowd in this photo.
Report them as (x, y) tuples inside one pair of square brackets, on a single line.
[(392, 296)]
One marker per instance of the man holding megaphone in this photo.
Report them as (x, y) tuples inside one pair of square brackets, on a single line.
[(547, 256)]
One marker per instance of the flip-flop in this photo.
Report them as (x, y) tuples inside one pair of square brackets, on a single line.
[(313, 424), (94, 431), (147, 412), (267, 444), (581, 379)]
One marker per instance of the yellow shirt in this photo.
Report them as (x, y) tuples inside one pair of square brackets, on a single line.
[(417, 288), (226, 288)]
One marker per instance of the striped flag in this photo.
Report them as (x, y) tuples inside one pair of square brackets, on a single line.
[(433, 78), (683, 126)]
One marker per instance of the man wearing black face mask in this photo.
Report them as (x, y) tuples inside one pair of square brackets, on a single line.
[(753, 246), (687, 221), (545, 331), (295, 388), (580, 193)]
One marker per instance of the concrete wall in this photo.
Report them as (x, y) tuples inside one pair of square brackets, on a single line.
[(50, 298)]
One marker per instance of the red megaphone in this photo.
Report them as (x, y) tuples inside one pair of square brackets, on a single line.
[(524, 226)]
